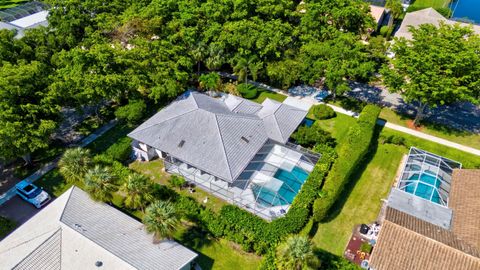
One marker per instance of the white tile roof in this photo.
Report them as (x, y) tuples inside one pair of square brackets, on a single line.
[(39, 18), (84, 232), (228, 131)]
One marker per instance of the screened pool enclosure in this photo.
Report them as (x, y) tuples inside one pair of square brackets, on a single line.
[(428, 176), (266, 187)]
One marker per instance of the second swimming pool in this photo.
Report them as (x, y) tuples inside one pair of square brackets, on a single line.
[(425, 186)]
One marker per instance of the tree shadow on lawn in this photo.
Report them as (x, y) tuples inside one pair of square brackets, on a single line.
[(195, 238), (347, 190)]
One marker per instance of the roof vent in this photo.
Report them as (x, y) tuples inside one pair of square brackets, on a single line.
[(98, 263), (182, 142), (245, 139)]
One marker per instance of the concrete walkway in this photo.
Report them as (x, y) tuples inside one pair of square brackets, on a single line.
[(52, 164), (311, 101)]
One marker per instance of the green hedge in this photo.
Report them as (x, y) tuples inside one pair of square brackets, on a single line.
[(350, 156), (6, 226)]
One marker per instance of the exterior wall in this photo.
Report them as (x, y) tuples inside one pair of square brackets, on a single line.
[(143, 151)]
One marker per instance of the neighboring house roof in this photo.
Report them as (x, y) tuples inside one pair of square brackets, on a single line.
[(426, 16), (465, 203), (400, 248), (74, 232), (228, 131), (30, 21), (408, 242), (430, 230), (377, 13)]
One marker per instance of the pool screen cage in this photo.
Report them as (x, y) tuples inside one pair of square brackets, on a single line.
[(15, 13), (433, 168), (257, 189)]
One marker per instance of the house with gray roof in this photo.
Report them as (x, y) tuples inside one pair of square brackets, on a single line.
[(427, 16), (232, 147), (75, 232)]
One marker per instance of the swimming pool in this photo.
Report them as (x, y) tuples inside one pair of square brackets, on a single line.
[(292, 182), (424, 185)]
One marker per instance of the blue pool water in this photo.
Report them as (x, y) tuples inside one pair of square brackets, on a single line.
[(421, 189), (292, 182), (308, 122), (466, 9)]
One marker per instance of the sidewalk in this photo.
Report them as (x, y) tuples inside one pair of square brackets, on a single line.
[(52, 164), (311, 101)]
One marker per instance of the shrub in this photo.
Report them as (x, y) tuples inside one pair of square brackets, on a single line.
[(384, 30), (310, 136), (445, 11), (350, 156), (121, 150), (247, 90), (176, 181), (323, 111), (392, 139), (132, 112), (352, 104), (6, 226)]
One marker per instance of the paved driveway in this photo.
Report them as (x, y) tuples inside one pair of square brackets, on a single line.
[(18, 210)]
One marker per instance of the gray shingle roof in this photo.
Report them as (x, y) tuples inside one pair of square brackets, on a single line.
[(228, 131), (121, 235)]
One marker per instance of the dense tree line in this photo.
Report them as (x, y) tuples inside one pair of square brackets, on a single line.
[(127, 50)]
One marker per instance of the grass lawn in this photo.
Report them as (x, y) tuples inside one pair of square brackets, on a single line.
[(431, 3), (216, 253), (361, 201), (267, 94), (11, 3), (154, 169), (338, 126), (461, 137)]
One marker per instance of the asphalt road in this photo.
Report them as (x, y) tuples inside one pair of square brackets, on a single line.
[(18, 210)]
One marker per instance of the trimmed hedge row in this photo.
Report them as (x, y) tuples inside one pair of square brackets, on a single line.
[(350, 155)]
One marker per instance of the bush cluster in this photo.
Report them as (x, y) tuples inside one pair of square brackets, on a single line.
[(323, 111), (392, 139), (121, 150), (350, 156), (247, 90), (311, 136), (132, 112), (6, 226)]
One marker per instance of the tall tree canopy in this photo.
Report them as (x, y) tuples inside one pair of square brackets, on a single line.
[(28, 115), (95, 51), (439, 66)]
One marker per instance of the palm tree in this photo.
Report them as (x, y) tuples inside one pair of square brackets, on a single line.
[(100, 184), (245, 66), (210, 81), (296, 253), (74, 164), (396, 9), (161, 219), (198, 54), (137, 190)]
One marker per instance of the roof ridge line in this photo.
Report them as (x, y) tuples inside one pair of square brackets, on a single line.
[(41, 244), (223, 147), (136, 131)]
